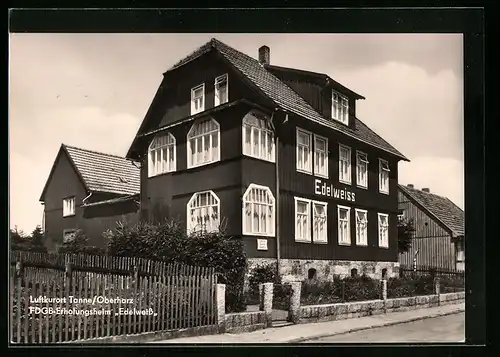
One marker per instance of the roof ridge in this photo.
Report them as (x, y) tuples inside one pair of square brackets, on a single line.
[(96, 152)]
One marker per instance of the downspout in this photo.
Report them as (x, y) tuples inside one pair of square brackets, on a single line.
[(86, 198), (277, 208)]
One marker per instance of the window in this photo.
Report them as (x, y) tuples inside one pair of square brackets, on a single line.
[(311, 274), (302, 220), (320, 234), (384, 273), (383, 230), (258, 138), (383, 177), (162, 155), (344, 164), (320, 156), (460, 256), (221, 90), (304, 139), (68, 207), (258, 211), (69, 235), (198, 99), (340, 107), (203, 143), (361, 227), (361, 169), (354, 272), (344, 225), (203, 212)]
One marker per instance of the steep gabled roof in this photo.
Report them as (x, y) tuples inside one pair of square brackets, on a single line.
[(283, 96), (441, 208), (101, 172)]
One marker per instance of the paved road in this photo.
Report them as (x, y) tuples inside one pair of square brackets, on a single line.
[(448, 328)]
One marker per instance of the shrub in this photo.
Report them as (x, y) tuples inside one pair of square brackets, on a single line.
[(169, 242), (361, 288), (259, 275), (410, 286)]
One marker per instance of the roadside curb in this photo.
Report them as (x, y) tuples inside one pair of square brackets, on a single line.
[(391, 323)]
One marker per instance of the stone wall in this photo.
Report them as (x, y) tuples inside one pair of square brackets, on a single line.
[(329, 312), (297, 270), (245, 321)]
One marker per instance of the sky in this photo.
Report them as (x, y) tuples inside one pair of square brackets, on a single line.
[(93, 90)]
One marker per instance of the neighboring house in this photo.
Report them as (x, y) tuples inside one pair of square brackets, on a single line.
[(439, 229), (90, 191), (279, 155)]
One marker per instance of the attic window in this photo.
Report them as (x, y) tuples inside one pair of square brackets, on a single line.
[(340, 107), (221, 90), (198, 99)]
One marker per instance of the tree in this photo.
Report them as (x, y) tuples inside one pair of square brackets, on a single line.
[(406, 231), (37, 240)]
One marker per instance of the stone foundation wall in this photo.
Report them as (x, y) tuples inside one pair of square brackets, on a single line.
[(297, 270)]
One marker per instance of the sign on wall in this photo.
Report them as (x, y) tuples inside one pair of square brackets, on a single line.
[(261, 244), (322, 188)]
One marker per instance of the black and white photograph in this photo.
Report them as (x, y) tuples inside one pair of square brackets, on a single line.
[(226, 188)]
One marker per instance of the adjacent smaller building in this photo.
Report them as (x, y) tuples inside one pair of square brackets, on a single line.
[(439, 239), (90, 191)]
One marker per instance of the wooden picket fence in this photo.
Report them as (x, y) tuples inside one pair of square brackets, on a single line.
[(84, 304)]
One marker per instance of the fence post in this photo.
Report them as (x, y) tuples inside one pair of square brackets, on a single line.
[(437, 287), (261, 297), (68, 276), (266, 300), (294, 309), (221, 307), (384, 294)]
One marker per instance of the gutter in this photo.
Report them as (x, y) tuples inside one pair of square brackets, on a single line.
[(86, 198)]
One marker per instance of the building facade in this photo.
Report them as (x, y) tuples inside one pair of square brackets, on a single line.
[(88, 191), (275, 154), (439, 238)]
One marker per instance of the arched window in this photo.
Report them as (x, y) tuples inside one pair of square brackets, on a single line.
[(203, 212), (162, 155), (354, 272), (258, 138), (203, 143), (258, 211), (311, 274), (384, 273)]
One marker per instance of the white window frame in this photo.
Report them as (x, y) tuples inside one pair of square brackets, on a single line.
[(340, 107), (193, 99), (361, 239), (158, 149), (319, 237), (260, 131), (321, 172), (68, 232), (383, 188), (304, 169), (256, 207), (217, 91), (342, 179), (341, 241), (69, 206), (213, 226), (307, 238), (361, 161), (192, 140), (383, 241)]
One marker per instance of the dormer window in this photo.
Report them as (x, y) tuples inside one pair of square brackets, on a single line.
[(221, 90), (340, 107), (198, 99)]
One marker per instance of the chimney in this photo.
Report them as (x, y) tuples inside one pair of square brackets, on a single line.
[(264, 55), (426, 190), (410, 185)]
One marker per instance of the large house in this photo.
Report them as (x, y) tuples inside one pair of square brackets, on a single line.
[(276, 153), (88, 191), (439, 237)]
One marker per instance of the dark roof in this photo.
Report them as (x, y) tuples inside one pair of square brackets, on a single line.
[(441, 208), (323, 76), (134, 197), (283, 96), (101, 172)]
